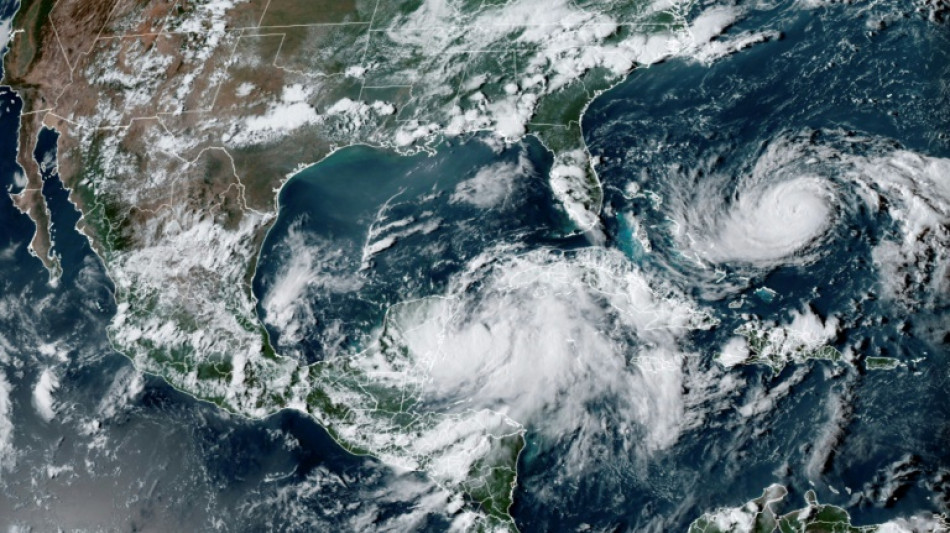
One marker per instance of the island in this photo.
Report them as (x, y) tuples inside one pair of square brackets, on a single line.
[(178, 122)]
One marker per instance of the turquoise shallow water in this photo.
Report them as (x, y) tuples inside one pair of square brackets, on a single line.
[(852, 86), (667, 129), (333, 213), (159, 458), (126, 451)]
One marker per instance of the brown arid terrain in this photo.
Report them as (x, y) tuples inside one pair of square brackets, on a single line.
[(179, 120)]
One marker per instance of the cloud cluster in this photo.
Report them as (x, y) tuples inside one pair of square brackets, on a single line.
[(533, 340)]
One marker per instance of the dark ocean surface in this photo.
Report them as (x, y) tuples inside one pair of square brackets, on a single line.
[(125, 451)]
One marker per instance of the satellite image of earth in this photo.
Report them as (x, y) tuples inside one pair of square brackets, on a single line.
[(475, 265)]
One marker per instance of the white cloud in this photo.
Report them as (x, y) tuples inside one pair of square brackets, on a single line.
[(925, 523), (918, 196), (561, 41), (126, 386), (806, 336), (778, 211), (285, 116), (720, 48), (43, 391), (493, 184), (7, 452), (533, 339), (308, 264), (734, 352), (290, 113), (766, 226), (572, 183), (742, 519), (793, 200), (244, 89), (6, 29)]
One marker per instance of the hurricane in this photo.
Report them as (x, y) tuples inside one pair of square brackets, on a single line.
[(449, 265), (777, 214)]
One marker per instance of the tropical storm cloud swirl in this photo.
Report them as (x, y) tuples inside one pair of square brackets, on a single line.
[(757, 250), (509, 266)]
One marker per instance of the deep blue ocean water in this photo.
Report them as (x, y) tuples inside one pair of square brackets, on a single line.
[(125, 451), (361, 190), (143, 455)]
